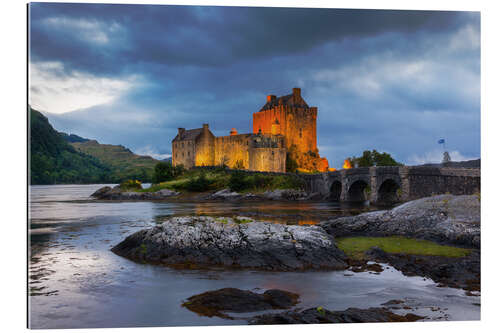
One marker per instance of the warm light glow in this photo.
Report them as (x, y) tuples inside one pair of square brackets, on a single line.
[(307, 222), (347, 164), (332, 169)]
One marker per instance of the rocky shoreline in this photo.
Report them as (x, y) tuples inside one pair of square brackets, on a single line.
[(447, 219), (462, 272), (323, 316), (117, 193), (220, 302)]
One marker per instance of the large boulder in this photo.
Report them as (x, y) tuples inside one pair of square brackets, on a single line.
[(207, 241), (442, 218), (215, 303), (117, 193)]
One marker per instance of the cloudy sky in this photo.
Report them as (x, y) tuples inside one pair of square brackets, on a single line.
[(395, 81)]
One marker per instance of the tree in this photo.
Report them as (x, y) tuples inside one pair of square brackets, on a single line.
[(366, 160), (373, 158), (163, 172)]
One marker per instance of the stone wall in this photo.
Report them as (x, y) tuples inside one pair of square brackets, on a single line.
[(296, 124), (205, 148), (231, 149), (426, 181), (267, 159), (183, 152)]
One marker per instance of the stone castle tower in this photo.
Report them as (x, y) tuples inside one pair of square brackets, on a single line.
[(282, 124), (291, 117)]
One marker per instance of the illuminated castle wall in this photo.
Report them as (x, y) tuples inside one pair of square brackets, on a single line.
[(291, 117), (280, 124)]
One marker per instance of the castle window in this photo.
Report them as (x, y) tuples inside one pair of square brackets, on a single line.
[(300, 133)]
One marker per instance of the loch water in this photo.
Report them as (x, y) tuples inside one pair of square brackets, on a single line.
[(75, 281)]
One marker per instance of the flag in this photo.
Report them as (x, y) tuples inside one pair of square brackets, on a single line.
[(441, 141)]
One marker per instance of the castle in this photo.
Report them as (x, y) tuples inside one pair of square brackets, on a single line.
[(283, 124)]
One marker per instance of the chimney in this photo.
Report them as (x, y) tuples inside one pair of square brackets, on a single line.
[(271, 98), (296, 92), (233, 132), (205, 126), (181, 132)]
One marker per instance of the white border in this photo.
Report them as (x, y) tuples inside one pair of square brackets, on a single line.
[(13, 175)]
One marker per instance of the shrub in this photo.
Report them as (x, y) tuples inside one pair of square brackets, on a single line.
[(198, 184), (261, 181), (165, 171), (237, 181), (179, 170), (131, 185)]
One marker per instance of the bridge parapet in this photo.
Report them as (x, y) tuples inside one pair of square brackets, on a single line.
[(393, 184)]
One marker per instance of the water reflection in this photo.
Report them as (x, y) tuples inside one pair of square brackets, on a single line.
[(75, 281)]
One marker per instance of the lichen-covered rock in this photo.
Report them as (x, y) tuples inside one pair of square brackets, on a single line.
[(442, 218), (208, 241)]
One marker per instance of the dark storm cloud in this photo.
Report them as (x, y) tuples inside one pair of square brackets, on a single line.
[(209, 36), (387, 80)]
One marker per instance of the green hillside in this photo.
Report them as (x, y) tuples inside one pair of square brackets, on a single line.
[(60, 158), (54, 161), (123, 163)]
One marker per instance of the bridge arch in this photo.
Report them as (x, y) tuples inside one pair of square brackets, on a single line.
[(336, 190), (388, 191), (357, 191)]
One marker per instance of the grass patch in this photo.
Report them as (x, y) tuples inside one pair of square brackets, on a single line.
[(256, 183), (196, 180), (238, 220), (222, 220), (355, 247)]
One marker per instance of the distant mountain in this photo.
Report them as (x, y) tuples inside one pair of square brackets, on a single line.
[(168, 160), (122, 161), (72, 137), (463, 164), (61, 158), (54, 161)]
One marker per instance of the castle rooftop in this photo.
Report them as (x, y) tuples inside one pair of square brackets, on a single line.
[(191, 134), (293, 100)]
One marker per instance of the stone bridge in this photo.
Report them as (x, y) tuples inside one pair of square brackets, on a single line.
[(386, 185)]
